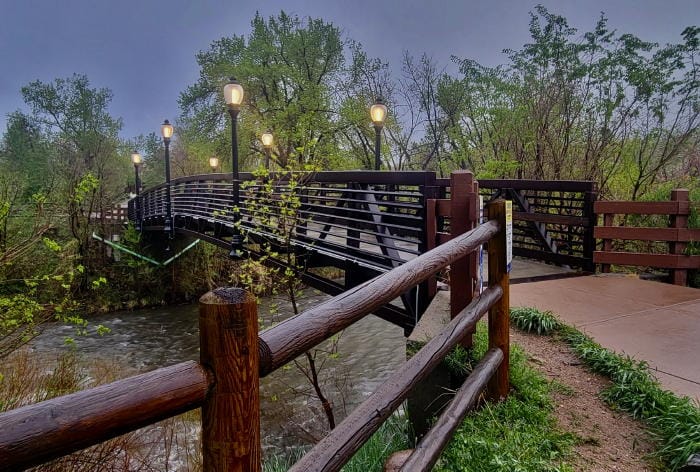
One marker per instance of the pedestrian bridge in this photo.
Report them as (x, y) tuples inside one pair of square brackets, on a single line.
[(366, 223)]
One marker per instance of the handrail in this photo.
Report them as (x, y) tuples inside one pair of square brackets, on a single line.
[(333, 451), (290, 338), (345, 211), (358, 176), (37, 433), (226, 382), (428, 449)]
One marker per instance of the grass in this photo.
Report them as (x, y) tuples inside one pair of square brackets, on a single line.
[(517, 434), (392, 436), (673, 421)]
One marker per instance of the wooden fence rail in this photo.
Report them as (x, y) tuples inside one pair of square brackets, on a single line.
[(676, 235), (37, 433), (333, 451), (233, 357)]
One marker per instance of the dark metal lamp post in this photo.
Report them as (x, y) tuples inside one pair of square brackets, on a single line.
[(378, 113), (136, 160), (167, 131), (233, 96), (267, 141)]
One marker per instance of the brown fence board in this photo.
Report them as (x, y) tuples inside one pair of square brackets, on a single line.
[(544, 185), (40, 432), (558, 258), (443, 208), (642, 208), (442, 238), (663, 261), (647, 234)]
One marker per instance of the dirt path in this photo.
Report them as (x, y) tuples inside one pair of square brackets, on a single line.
[(609, 440)]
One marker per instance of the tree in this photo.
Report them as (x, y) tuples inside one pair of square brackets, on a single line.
[(25, 152), (273, 208), (90, 171), (605, 106), (288, 69)]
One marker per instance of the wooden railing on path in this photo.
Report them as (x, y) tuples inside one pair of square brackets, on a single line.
[(676, 235), (225, 382)]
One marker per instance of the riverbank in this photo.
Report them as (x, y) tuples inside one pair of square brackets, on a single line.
[(553, 420)]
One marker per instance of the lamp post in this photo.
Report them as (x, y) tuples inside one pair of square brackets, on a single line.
[(166, 130), (378, 114), (233, 96), (267, 141), (136, 160), (213, 163)]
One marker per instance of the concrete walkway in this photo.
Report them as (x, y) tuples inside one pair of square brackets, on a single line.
[(651, 321)]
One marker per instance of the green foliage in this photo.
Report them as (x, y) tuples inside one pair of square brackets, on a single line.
[(674, 421), (87, 184), (287, 67), (517, 434), (275, 202), (459, 361), (610, 108), (392, 436), (17, 311), (533, 320)]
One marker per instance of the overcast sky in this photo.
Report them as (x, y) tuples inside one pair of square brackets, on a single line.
[(144, 51)]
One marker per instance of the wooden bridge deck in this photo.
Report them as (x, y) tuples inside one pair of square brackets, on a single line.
[(651, 321)]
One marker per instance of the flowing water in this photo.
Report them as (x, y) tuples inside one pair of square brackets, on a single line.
[(368, 352)]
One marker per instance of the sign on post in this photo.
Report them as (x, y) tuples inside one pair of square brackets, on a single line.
[(509, 235), (481, 247)]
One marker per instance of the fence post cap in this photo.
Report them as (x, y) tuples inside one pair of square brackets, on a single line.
[(226, 296)]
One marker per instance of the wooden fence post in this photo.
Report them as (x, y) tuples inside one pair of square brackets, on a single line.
[(464, 210), (499, 314), (608, 221), (588, 236), (228, 337), (679, 276)]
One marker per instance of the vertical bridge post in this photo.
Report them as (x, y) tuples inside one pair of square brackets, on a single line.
[(499, 328), (228, 337)]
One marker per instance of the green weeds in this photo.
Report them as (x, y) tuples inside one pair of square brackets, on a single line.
[(674, 421), (533, 320), (392, 436), (518, 434)]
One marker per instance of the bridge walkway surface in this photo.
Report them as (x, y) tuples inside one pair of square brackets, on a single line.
[(651, 321)]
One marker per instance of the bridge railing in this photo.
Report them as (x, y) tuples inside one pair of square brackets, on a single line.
[(373, 218), (363, 223), (225, 382), (553, 220)]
